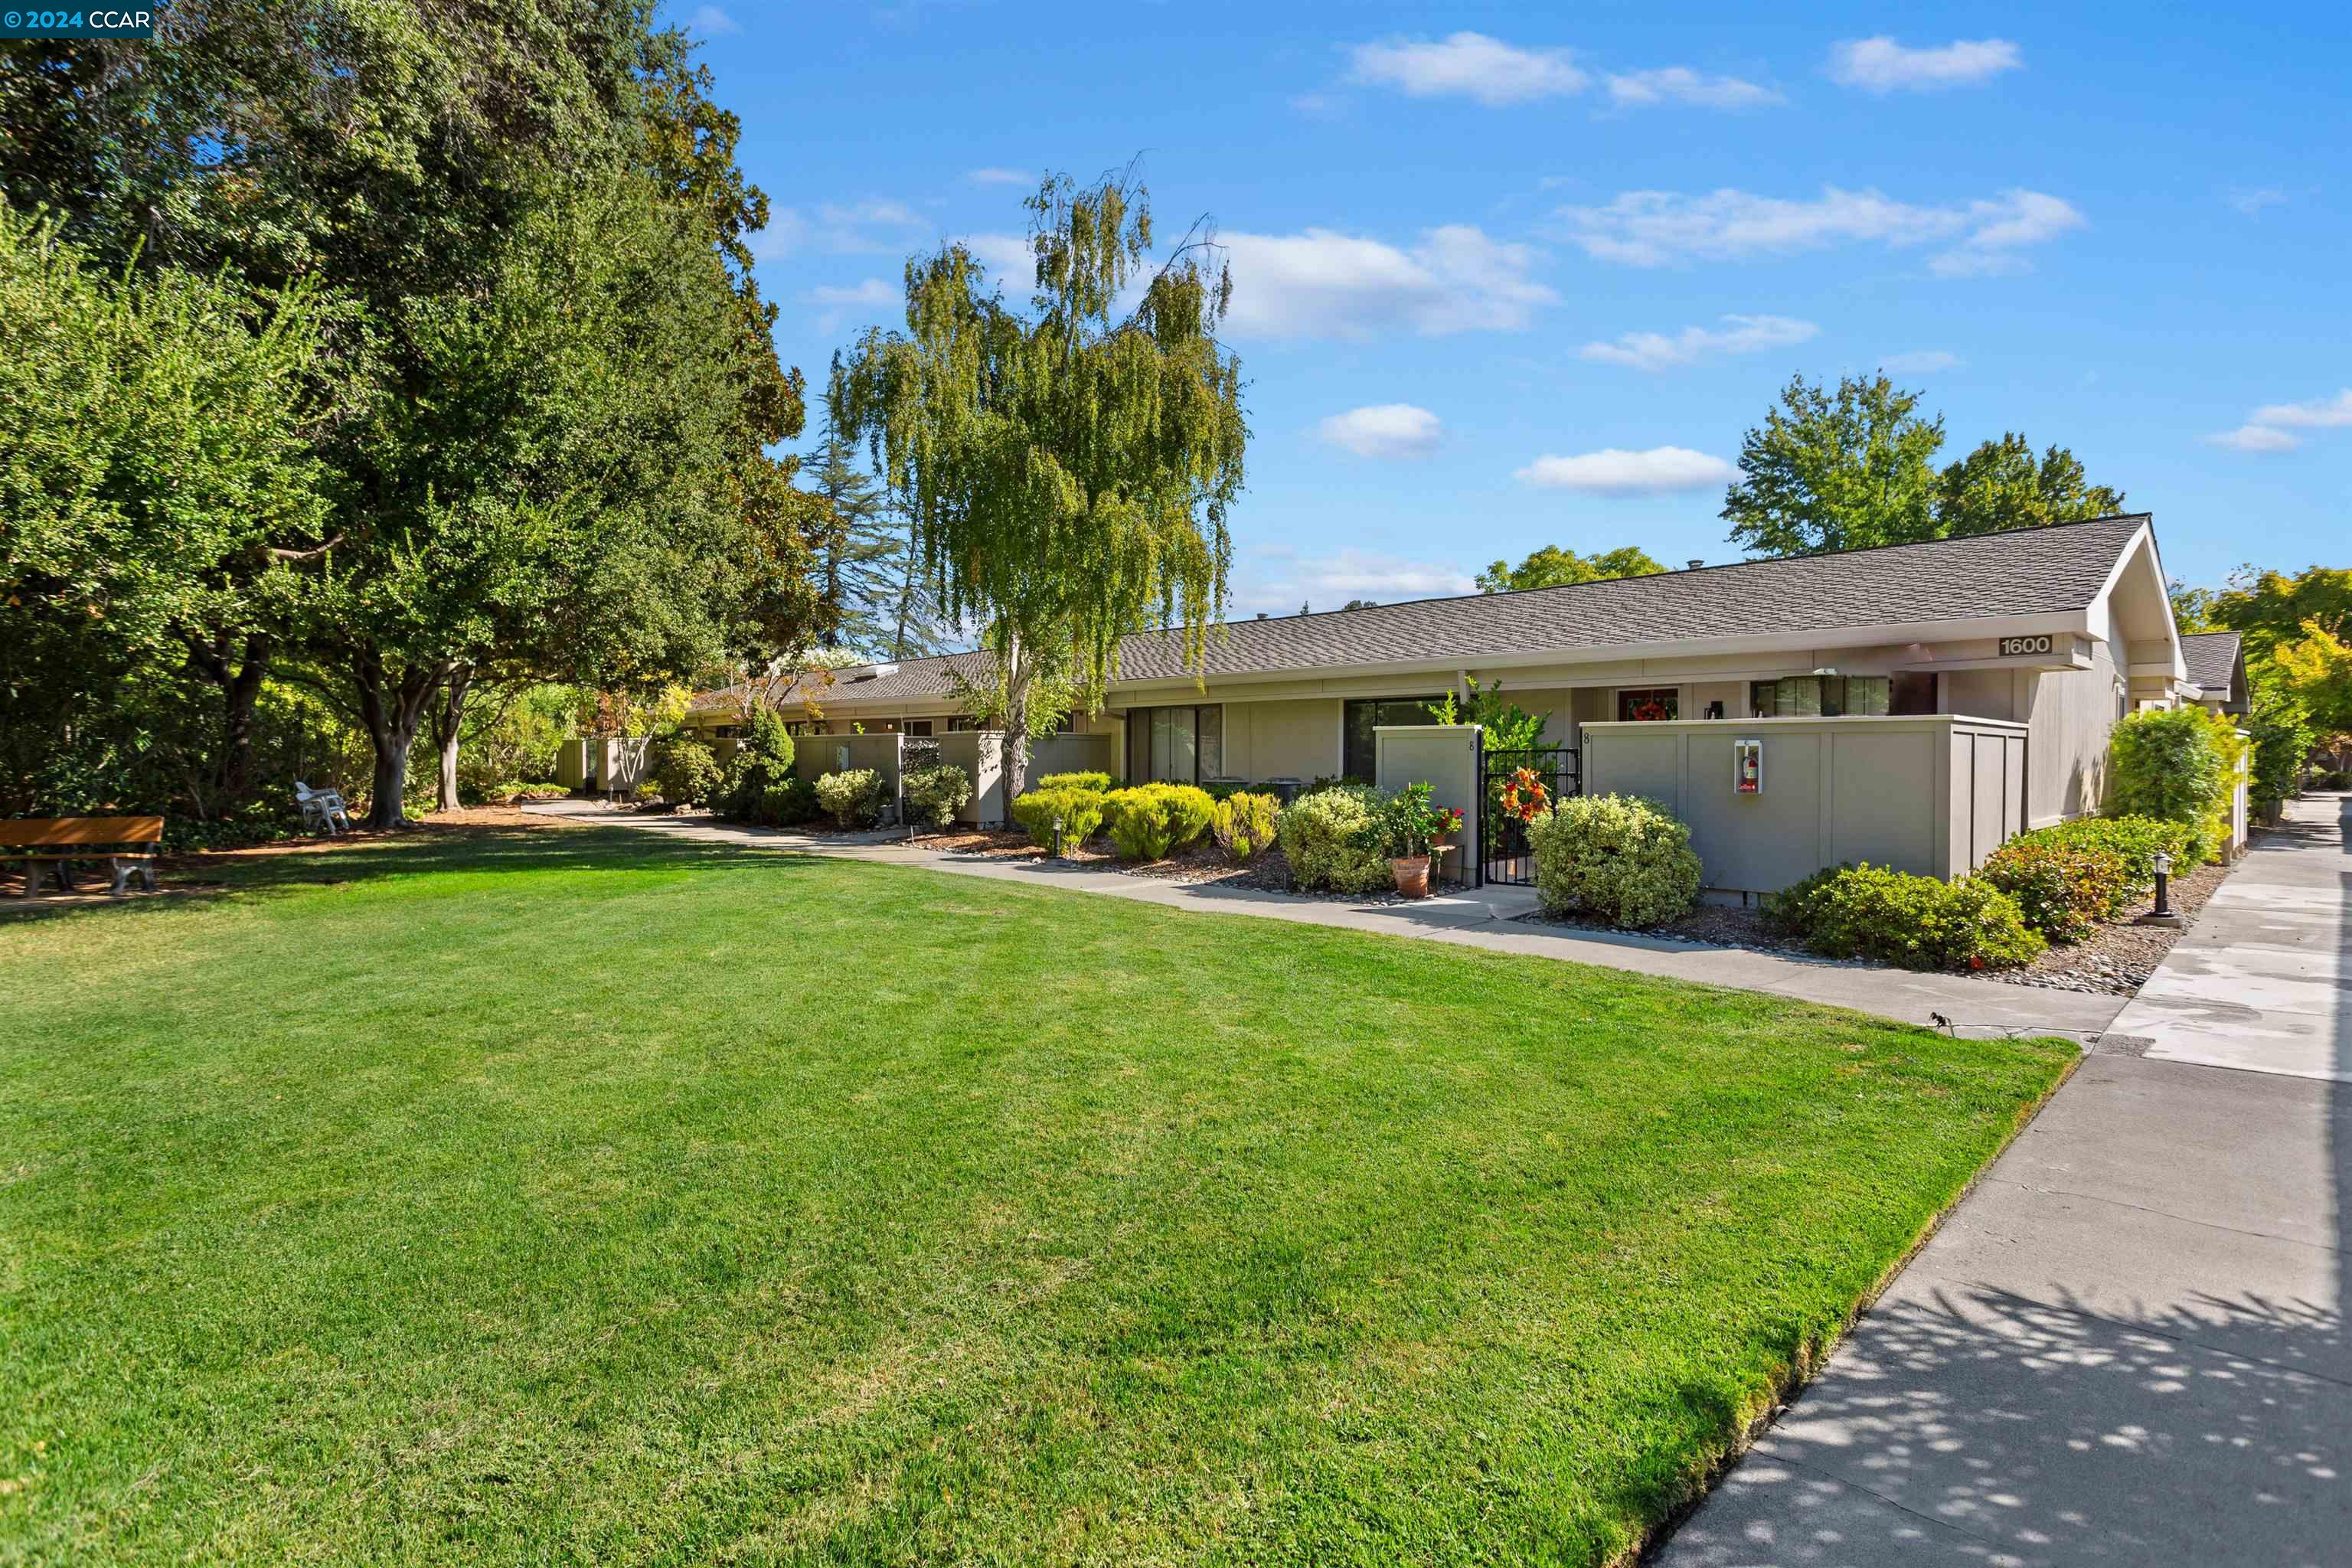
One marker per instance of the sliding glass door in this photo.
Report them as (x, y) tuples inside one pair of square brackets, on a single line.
[(1175, 745)]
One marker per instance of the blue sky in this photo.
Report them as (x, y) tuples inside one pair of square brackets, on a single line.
[(1513, 276)]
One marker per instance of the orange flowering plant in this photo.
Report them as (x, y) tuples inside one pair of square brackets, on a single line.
[(1525, 796)]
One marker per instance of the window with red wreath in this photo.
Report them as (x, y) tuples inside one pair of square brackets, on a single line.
[(1650, 705)]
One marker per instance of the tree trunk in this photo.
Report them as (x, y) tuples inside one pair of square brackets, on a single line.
[(448, 723), (240, 684), (1017, 676), (392, 709)]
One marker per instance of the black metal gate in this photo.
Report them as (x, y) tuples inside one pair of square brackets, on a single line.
[(1505, 856)]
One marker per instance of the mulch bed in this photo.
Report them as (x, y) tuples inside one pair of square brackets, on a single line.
[(2114, 960)]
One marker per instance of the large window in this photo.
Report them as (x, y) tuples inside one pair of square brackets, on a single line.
[(1358, 753), (1176, 745), (1826, 696)]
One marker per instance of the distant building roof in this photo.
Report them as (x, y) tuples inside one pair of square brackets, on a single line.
[(2212, 658), (2043, 570)]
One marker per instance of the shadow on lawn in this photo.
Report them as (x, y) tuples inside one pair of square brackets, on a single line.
[(366, 858)]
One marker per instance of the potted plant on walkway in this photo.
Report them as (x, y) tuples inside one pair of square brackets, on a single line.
[(1406, 821)]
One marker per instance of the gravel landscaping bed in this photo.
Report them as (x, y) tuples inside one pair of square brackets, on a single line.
[(2115, 960)]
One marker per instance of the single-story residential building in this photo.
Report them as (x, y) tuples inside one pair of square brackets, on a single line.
[(2014, 653)]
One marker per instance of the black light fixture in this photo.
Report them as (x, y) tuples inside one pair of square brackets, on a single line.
[(2163, 914)]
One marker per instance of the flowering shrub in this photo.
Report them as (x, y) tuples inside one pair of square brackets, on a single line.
[(1243, 824), (1616, 857), (1080, 811), (935, 794), (1405, 822), (854, 798), (1329, 838), (1916, 923)]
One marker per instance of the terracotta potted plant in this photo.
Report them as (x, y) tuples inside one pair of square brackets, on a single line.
[(1408, 820)]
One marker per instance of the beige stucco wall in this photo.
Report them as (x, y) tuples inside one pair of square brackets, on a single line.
[(980, 753), (1444, 757), (2069, 714), (1926, 794)]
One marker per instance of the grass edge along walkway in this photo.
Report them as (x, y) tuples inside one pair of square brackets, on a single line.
[(625, 1201)]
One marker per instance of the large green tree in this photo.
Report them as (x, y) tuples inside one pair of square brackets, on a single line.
[(1854, 468), (867, 575), (156, 479), (1067, 469), (390, 153), (1553, 567), (2000, 486)]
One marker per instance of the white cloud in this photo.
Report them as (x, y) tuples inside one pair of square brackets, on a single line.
[(1661, 228), (851, 229), (859, 301), (1739, 335), (712, 23), (1384, 430), (1680, 84), (1322, 283), (2271, 428), (1616, 472), (1288, 578), (1920, 362), (2319, 414), (1467, 65), (1881, 65), (2256, 438), (2251, 199), (999, 177)]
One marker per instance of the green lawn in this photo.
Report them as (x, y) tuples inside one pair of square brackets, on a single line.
[(569, 1196)]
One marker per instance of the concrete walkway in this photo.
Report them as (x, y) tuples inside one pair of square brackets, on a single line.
[(2127, 1345), (1485, 918)]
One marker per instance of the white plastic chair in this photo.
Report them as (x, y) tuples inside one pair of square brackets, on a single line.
[(322, 808)]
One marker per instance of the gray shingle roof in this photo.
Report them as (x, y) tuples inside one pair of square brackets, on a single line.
[(2045, 571), (2212, 658)]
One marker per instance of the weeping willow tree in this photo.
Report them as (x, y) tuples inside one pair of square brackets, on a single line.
[(1067, 469)]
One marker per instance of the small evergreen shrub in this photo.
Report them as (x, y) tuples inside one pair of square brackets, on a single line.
[(1616, 857), (854, 799), (787, 804), (1148, 822), (935, 794), (1080, 811), (1915, 923), (2063, 890), (1329, 837), (687, 772), (2139, 839), (762, 762), (2177, 765), (1097, 782), (1243, 824)]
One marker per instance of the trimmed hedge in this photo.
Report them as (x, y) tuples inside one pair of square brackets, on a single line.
[(1327, 837), (1618, 857), (1243, 824), (1080, 812), (1915, 923)]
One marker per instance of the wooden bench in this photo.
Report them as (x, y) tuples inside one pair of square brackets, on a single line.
[(126, 844)]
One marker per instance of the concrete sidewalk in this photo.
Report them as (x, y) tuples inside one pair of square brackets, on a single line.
[(1485, 918), (2127, 1344)]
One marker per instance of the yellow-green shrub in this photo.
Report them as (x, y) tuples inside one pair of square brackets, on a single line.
[(1617, 856), (1149, 821), (1243, 824), (1080, 811), (1330, 839)]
